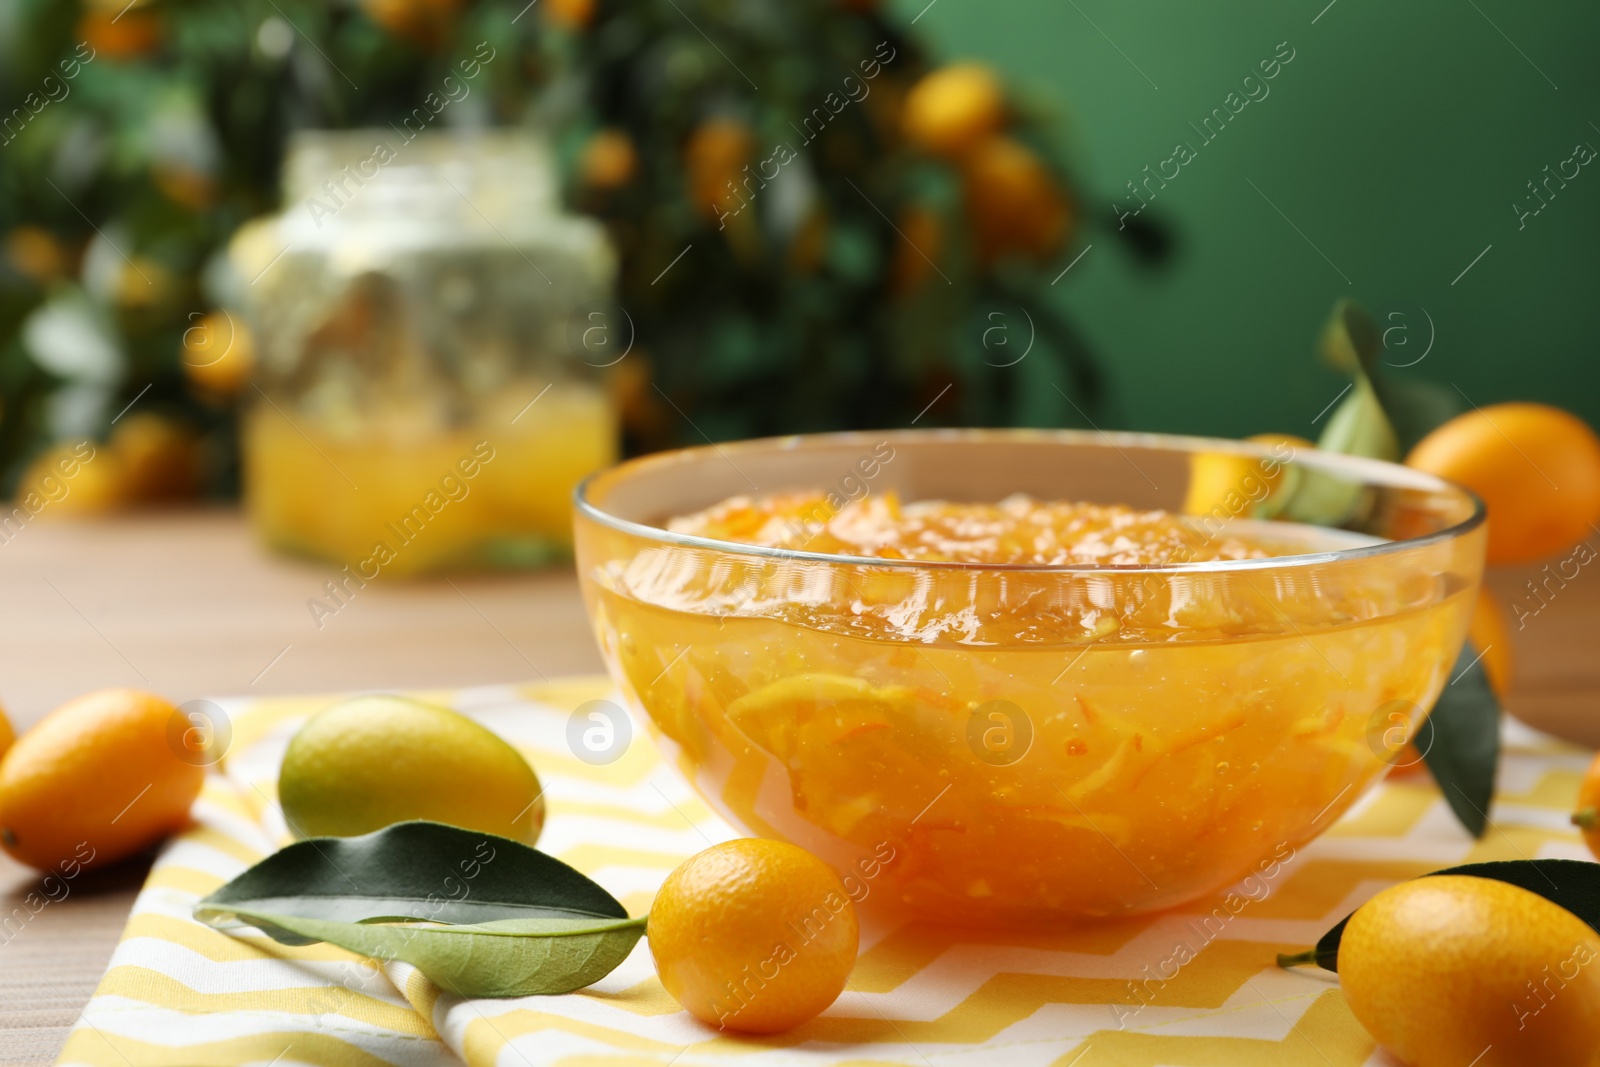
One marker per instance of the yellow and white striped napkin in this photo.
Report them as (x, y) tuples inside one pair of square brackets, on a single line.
[(1196, 986)]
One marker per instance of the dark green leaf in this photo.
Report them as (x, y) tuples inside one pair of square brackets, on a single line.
[(1460, 742), (512, 920), (416, 870), (506, 958), (1358, 426), (1461, 739), (1350, 340), (1571, 884), (1416, 406)]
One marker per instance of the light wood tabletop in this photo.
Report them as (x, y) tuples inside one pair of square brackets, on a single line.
[(187, 605)]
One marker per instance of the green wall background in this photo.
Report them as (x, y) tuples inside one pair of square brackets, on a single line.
[(1397, 140)]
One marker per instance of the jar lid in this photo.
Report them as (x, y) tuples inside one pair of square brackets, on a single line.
[(395, 187)]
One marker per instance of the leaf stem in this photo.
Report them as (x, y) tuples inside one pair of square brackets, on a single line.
[(1586, 818), (1298, 959)]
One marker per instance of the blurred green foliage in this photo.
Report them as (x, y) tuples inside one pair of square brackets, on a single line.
[(862, 281)]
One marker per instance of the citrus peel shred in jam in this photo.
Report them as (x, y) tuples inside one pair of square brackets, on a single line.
[(1029, 745), (1018, 530)]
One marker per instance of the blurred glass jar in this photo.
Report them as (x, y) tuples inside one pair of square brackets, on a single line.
[(432, 334)]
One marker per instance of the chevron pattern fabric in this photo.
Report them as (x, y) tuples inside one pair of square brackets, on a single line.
[(1196, 987)]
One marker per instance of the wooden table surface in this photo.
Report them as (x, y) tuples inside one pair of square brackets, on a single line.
[(186, 605)]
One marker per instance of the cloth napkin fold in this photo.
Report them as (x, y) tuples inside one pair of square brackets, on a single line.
[(1196, 986)]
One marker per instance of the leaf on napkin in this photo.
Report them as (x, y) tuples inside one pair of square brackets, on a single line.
[(1460, 742), (1571, 884), (480, 915)]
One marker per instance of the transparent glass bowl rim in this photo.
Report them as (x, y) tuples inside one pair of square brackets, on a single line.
[(1368, 471)]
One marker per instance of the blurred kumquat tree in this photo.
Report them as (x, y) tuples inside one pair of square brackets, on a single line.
[(818, 228)]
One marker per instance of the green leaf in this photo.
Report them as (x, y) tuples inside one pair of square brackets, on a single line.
[(1460, 742), (1359, 427), (1571, 884), (1416, 406), (498, 918), (1461, 739), (417, 870), (506, 958), (1350, 340)]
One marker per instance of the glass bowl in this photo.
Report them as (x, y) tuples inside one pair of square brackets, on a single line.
[(1009, 745)]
